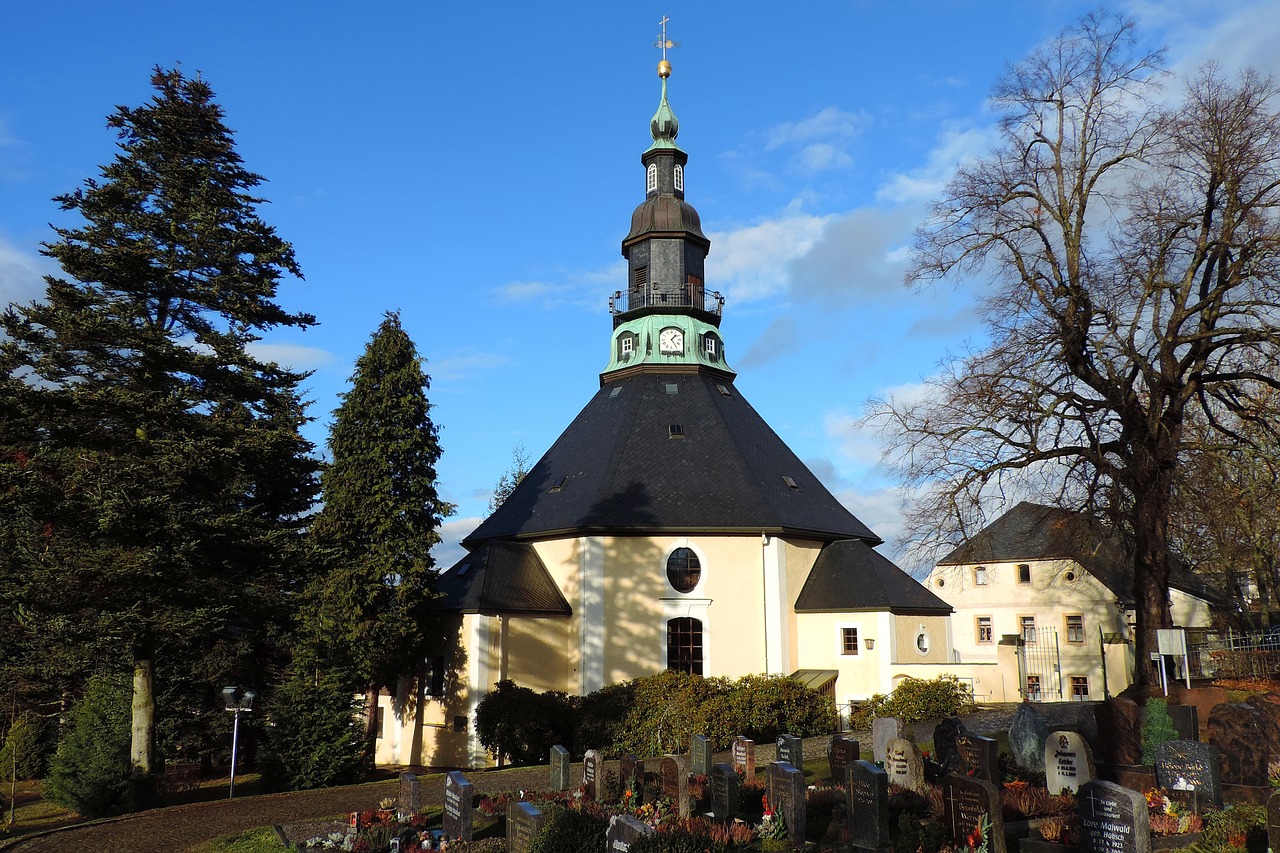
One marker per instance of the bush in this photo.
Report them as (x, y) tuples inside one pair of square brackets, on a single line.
[(667, 710), (600, 718), (316, 736), (1157, 728), (23, 743), (915, 699), (523, 725), (765, 706), (90, 770), (570, 831)]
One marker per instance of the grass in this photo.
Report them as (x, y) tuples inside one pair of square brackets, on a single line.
[(260, 840), (33, 812)]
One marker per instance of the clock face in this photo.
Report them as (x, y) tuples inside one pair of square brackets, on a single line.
[(671, 341)]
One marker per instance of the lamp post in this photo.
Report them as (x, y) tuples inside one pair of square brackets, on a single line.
[(237, 701)]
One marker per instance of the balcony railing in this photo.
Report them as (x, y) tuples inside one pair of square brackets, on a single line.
[(687, 296)]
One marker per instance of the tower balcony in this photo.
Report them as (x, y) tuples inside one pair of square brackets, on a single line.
[(689, 298)]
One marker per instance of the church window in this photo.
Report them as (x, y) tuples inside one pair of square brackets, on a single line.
[(651, 183), (684, 645), (626, 346), (922, 641), (848, 641), (710, 343), (435, 676), (679, 177), (683, 569), (378, 722)]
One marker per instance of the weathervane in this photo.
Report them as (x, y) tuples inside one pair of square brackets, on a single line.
[(663, 43)]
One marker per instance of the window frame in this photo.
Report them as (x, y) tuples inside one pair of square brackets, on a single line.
[(651, 178), (1025, 622), (692, 628), (991, 630), (847, 633), (981, 577), (1079, 619), (1076, 681), (678, 178), (1024, 573)]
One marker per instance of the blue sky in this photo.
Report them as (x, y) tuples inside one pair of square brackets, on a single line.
[(475, 165)]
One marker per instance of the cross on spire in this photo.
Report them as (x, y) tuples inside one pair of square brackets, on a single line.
[(663, 42)]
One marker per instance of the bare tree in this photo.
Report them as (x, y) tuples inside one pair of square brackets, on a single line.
[(1132, 254), (520, 464)]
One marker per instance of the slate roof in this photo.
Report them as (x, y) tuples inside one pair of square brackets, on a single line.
[(617, 469), (1035, 532), (849, 575), (501, 577)]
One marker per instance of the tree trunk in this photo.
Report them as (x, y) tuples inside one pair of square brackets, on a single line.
[(142, 745), (1150, 579), (371, 722)]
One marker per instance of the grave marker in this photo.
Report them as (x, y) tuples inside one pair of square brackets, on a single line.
[(904, 764), (883, 730), (1190, 767), (978, 755), (1068, 762), (1186, 721), (786, 790), (945, 752), (700, 755), (841, 752), (458, 813), (965, 801), (591, 774), (1027, 736), (559, 768), (744, 758), (1113, 819), (631, 776), (789, 749), (625, 830), (675, 781), (724, 792), (867, 798), (524, 821), (409, 801)]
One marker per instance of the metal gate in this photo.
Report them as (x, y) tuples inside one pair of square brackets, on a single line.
[(1039, 665)]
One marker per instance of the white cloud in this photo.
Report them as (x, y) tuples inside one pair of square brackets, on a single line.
[(829, 123), (1197, 32), (780, 338), (22, 273), (465, 365), (858, 255), (292, 356), (751, 263), (452, 532), (808, 146), (954, 148)]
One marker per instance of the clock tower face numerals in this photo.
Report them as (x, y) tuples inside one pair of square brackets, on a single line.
[(671, 341)]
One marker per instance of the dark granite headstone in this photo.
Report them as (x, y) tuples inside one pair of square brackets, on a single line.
[(965, 800), (724, 792), (1027, 735), (883, 730), (790, 749), (904, 765), (1186, 721), (675, 782), (1240, 733), (700, 755), (591, 767), (841, 753), (1113, 819), (625, 830), (559, 768), (744, 758), (524, 821), (1068, 762), (787, 791), (1273, 820), (631, 777), (945, 751), (867, 798), (458, 812), (1190, 767), (1120, 730), (979, 756), (409, 801)]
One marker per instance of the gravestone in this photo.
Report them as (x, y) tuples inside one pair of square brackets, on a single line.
[(867, 799), (591, 774), (841, 753), (790, 749), (631, 777), (1068, 762), (883, 730), (1273, 820), (559, 768), (724, 792), (904, 764), (945, 752), (979, 756), (1027, 734), (1113, 819), (1240, 732), (1189, 767), (700, 755), (524, 821), (744, 758), (675, 782), (625, 830), (786, 790), (409, 801), (1120, 730), (1186, 721), (458, 812), (965, 800)]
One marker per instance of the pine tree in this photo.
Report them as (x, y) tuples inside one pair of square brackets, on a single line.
[(163, 477), (369, 620)]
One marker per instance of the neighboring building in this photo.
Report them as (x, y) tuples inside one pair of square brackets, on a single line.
[(667, 528), (1061, 584)]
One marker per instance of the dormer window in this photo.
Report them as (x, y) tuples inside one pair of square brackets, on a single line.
[(651, 182), (679, 177), (711, 346), (626, 346)]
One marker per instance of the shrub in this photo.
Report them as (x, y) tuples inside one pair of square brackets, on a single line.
[(765, 706), (521, 724), (23, 743), (668, 708), (915, 699), (316, 736), (90, 770), (1243, 825), (1157, 728), (600, 717), (570, 831)]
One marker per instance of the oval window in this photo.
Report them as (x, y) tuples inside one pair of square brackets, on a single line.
[(940, 582), (683, 570), (922, 642)]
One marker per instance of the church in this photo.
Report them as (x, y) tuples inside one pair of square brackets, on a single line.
[(668, 527)]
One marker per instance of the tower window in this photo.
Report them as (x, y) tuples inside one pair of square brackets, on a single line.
[(640, 278), (615, 391), (724, 392), (683, 570), (626, 345), (679, 177), (672, 388), (651, 182), (710, 343), (684, 645)]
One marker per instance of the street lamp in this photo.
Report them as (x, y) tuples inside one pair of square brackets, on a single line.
[(237, 701)]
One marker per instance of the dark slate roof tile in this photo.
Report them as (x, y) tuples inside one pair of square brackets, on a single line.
[(850, 575), (501, 577)]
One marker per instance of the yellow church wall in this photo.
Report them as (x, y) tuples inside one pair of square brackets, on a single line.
[(906, 646), (536, 652), (820, 646), (634, 583)]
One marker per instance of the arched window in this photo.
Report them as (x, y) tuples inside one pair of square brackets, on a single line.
[(651, 182), (679, 177), (683, 570), (684, 645)]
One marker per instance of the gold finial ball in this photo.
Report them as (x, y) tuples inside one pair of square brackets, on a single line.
[(664, 69)]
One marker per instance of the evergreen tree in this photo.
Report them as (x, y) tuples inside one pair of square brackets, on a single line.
[(160, 478), (369, 620)]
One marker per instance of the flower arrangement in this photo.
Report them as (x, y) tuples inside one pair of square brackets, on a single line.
[(772, 826), (1168, 818)]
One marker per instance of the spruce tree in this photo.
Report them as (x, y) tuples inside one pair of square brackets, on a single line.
[(163, 479), (369, 619)]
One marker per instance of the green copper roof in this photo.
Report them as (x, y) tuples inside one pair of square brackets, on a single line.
[(648, 346), (664, 126)]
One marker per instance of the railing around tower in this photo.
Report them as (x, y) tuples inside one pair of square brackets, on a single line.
[(668, 296)]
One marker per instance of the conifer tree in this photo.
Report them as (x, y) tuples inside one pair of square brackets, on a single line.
[(369, 619), (163, 479)]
